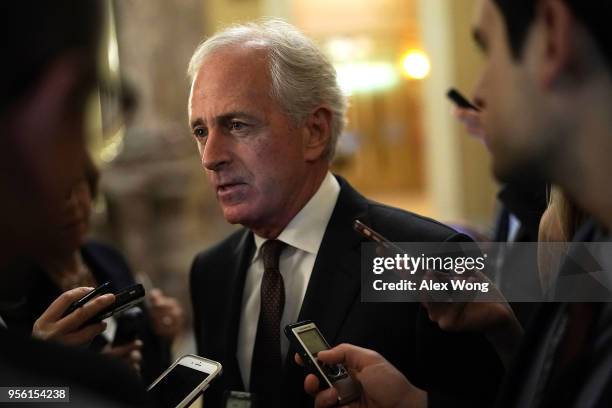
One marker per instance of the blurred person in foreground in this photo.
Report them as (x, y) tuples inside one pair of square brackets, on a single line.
[(265, 110), (48, 73), (521, 205), (547, 89), (71, 261)]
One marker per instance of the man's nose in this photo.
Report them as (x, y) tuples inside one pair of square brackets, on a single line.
[(216, 152)]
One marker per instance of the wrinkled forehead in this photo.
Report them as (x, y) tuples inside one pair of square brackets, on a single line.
[(236, 74), (233, 67)]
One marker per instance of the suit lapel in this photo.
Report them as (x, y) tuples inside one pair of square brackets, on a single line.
[(242, 255), (335, 282)]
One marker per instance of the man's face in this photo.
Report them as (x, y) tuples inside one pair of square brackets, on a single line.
[(252, 152), (512, 117)]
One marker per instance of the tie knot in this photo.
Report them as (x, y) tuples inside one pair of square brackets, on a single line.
[(270, 252)]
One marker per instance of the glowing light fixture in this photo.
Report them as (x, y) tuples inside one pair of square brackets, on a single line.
[(415, 64), (365, 76)]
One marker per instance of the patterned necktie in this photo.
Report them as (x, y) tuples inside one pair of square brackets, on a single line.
[(266, 366)]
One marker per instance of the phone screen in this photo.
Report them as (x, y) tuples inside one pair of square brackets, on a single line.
[(176, 385), (313, 341)]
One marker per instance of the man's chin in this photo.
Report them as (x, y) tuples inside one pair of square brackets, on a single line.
[(519, 172), (235, 215)]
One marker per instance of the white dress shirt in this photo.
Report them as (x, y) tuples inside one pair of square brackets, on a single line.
[(303, 236)]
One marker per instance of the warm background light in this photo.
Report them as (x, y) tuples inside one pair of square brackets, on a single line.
[(366, 76), (415, 64)]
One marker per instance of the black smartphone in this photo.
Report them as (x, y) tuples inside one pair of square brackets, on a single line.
[(372, 235), (124, 300), (100, 290), (460, 100), (308, 341)]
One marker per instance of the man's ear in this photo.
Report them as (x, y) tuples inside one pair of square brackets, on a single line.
[(559, 30), (316, 133)]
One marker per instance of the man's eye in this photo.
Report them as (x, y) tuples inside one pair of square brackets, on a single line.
[(200, 132), (237, 126)]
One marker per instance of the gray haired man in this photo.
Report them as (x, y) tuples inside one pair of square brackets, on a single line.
[(266, 111)]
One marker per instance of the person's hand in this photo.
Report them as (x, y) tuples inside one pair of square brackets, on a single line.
[(69, 330), (495, 319), (128, 353), (468, 316), (166, 314), (383, 386)]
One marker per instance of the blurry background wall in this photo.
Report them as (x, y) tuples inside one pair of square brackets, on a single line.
[(401, 146)]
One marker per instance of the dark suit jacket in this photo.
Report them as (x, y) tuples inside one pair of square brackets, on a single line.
[(106, 264), (332, 297)]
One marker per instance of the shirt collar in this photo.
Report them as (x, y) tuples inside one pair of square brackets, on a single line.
[(305, 231)]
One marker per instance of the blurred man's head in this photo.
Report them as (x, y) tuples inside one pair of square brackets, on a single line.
[(266, 111), (49, 70), (547, 63)]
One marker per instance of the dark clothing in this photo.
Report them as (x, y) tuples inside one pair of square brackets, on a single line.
[(106, 265), (527, 202), (549, 370), (94, 381), (332, 301)]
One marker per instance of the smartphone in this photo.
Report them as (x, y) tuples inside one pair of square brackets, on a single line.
[(460, 100), (239, 399), (100, 290), (184, 381), (124, 300), (306, 338), (372, 235)]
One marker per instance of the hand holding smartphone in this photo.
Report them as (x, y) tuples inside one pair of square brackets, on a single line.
[(306, 338), (184, 381), (100, 290), (124, 300)]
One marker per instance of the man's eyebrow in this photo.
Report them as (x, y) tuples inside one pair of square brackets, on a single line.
[(223, 118), (235, 114), (197, 122)]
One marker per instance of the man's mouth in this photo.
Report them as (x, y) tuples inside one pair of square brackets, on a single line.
[(227, 189)]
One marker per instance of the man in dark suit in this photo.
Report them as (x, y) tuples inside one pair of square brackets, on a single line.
[(265, 110)]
